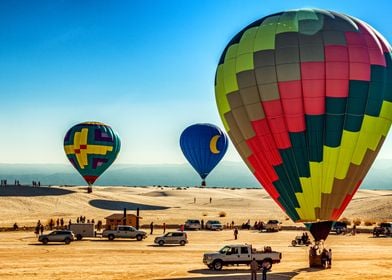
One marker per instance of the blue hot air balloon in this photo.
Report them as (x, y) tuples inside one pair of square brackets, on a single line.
[(203, 145)]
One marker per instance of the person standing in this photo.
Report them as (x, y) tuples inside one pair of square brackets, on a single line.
[(254, 266), (210, 200), (42, 229), (329, 258), (151, 227), (164, 227), (235, 233)]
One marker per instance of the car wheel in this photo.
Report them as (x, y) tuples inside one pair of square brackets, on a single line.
[(294, 243), (338, 231), (111, 237), (182, 242), (45, 241), (266, 264), (67, 240), (139, 237), (161, 242), (79, 237), (218, 265)]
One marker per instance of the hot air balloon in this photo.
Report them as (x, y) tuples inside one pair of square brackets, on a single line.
[(306, 98), (91, 147), (203, 145)]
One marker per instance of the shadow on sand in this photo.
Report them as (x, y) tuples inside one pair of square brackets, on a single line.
[(120, 205), (28, 191), (239, 275)]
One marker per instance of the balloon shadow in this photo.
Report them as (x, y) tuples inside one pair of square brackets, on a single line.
[(120, 205), (27, 191)]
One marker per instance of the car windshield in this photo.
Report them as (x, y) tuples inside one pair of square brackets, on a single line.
[(214, 222), (224, 250)]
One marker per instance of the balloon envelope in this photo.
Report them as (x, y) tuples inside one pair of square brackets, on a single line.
[(91, 147), (306, 98), (203, 145)]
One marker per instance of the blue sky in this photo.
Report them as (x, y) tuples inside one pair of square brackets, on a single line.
[(144, 67)]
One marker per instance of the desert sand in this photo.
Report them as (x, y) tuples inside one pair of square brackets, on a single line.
[(22, 257)]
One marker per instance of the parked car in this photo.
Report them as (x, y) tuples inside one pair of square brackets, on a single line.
[(384, 229), (192, 224), (241, 254), (214, 225), (175, 237), (124, 232), (65, 236), (272, 225), (339, 227)]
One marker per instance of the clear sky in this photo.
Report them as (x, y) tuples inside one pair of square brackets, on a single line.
[(144, 67)]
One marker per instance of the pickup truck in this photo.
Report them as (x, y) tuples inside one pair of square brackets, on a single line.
[(241, 254), (124, 232)]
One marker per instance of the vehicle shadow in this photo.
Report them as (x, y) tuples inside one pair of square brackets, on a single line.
[(103, 239), (166, 245), (49, 244), (227, 274), (120, 205)]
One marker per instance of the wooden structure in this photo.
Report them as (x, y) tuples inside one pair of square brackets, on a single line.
[(119, 219)]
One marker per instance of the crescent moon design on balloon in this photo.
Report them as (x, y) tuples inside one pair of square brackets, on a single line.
[(213, 142)]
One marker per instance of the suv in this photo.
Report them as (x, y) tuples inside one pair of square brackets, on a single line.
[(192, 224), (383, 229), (339, 227), (65, 236), (214, 225), (272, 225), (175, 237)]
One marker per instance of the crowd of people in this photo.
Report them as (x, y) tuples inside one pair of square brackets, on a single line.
[(4, 183)]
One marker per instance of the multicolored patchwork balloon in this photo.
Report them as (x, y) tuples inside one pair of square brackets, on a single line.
[(91, 147), (306, 98), (203, 145)]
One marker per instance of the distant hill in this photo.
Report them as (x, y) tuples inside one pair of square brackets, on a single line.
[(227, 174)]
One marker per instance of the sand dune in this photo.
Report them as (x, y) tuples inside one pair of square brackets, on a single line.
[(171, 205)]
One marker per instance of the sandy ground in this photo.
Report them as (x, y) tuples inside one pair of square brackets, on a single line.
[(22, 257)]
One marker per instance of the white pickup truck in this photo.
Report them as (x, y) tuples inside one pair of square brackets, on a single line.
[(124, 232), (241, 254)]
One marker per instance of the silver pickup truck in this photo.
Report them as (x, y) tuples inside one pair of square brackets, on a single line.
[(241, 254), (124, 232)]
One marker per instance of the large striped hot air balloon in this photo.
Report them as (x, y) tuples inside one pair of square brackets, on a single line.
[(306, 98), (91, 147)]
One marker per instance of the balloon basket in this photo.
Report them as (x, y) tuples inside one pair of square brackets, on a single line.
[(89, 189)]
